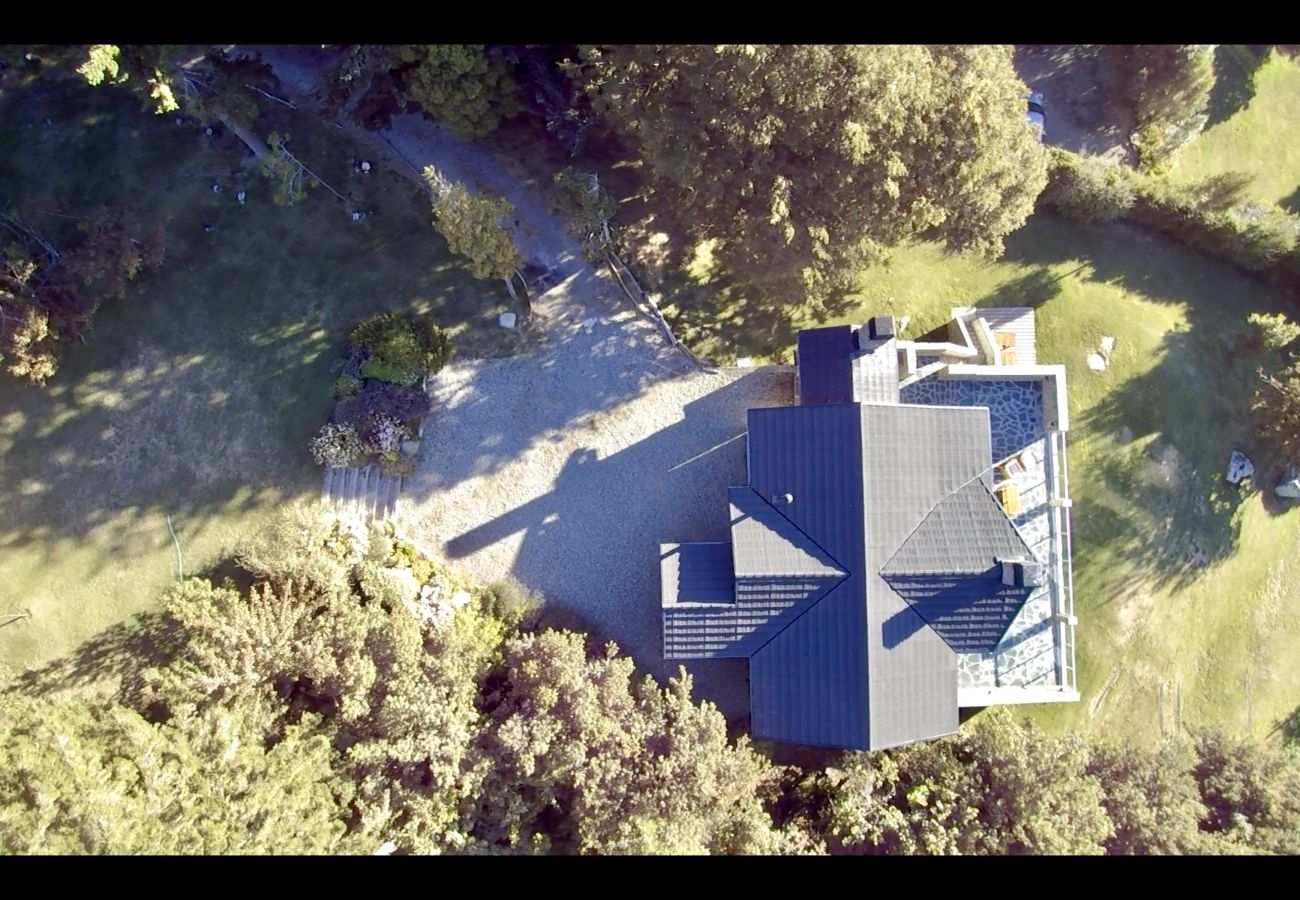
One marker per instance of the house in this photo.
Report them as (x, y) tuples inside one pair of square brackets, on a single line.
[(902, 547)]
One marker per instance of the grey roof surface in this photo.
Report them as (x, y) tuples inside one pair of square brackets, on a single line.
[(697, 573), (964, 533), (825, 368), (875, 370)]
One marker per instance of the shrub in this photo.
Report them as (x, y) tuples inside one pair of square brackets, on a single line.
[(300, 545), (346, 385), (382, 435), (435, 342), (1088, 188), (336, 445), (384, 400), (380, 585), (395, 351), (512, 603), (379, 546)]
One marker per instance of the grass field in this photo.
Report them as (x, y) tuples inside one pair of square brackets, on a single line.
[(195, 395), (1263, 139)]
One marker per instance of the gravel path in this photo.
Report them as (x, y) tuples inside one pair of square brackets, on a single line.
[(567, 466)]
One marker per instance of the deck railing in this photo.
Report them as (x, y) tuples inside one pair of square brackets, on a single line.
[(1060, 490)]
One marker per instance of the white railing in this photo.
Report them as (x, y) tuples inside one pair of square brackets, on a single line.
[(1063, 561)]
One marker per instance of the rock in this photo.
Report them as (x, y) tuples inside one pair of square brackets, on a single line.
[(1289, 486), (902, 323), (745, 362), (1096, 362), (1107, 344), (387, 848), (1126, 435), (216, 188), (589, 324), (207, 129), (426, 592), (241, 196), (1239, 467), (365, 165), (507, 320), (410, 448), (459, 599)]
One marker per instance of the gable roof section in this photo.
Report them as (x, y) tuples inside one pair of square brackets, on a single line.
[(875, 370), (825, 364), (808, 684), (913, 458), (947, 570)]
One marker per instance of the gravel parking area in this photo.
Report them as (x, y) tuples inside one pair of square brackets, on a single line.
[(568, 466)]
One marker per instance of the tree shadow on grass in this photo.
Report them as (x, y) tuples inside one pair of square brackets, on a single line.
[(1234, 81), (113, 661), (1288, 728)]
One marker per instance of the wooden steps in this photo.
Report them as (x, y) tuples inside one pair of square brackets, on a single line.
[(361, 491)]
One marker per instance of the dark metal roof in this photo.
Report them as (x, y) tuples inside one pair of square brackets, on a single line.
[(697, 573), (825, 369)]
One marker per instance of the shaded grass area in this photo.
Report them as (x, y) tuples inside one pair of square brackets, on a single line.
[(1261, 139), (196, 394)]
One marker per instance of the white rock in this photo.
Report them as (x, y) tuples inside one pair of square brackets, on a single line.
[(387, 848), (1096, 362), (410, 448), (426, 592), (365, 166), (507, 320), (1239, 467), (589, 324), (1289, 486), (745, 362), (1107, 344), (902, 323), (459, 599)]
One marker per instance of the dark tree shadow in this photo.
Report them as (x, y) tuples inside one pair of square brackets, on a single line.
[(1234, 81), (1291, 202), (1288, 728), (112, 660)]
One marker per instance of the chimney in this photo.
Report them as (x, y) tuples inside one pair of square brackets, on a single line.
[(880, 327)]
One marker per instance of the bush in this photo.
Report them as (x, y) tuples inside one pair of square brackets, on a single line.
[(379, 546), (384, 400), (395, 351), (381, 585), (512, 603), (382, 435), (1088, 188), (435, 342), (300, 545), (346, 385), (336, 445)]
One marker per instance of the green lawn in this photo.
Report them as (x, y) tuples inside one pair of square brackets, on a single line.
[(1263, 139), (195, 395), (1179, 578)]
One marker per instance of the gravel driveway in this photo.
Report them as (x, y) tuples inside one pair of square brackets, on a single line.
[(568, 467)]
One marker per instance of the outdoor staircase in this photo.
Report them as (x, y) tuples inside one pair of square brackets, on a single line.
[(361, 491)]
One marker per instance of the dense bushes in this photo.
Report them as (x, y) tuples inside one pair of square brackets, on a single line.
[(1208, 215), (511, 602), (378, 401)]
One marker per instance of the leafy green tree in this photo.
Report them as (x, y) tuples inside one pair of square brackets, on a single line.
[(1276, 407), (1151, 798), (1251, 793), (806, 162), (1000, 786), (474, 225), (1169, 86), (1275, 331), (584, 761), (466, 87), (77, 777), (304, 546)]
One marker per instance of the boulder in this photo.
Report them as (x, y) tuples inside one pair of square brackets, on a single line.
[(1239, 467), (1289, 486), (410, 448), (507, 320), (459, 599), (1096, 362)]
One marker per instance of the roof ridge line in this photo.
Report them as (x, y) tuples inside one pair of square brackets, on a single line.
[(843, 570)]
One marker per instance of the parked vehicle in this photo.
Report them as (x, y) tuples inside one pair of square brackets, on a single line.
[(1037, 115)]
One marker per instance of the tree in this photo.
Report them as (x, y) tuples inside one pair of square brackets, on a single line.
[(79, 777), (1169, 86), (466, 87), (474, 226), (804, 163), (1276, 405), (1151, 798), (583, 761), (1251, 793), (1000, 786), (1275, 331)]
